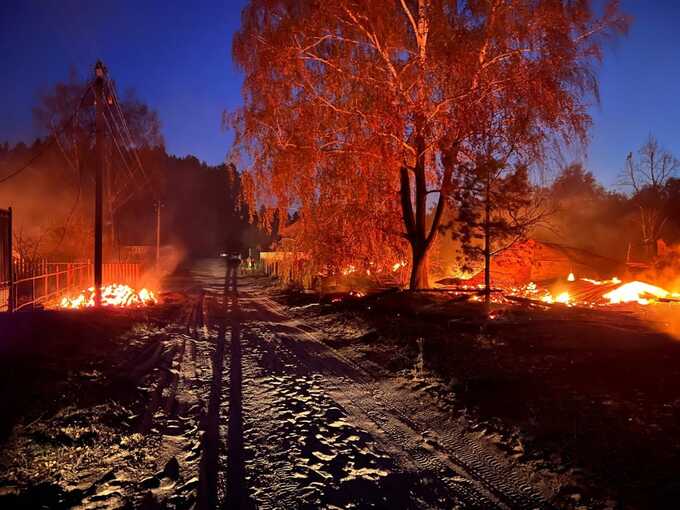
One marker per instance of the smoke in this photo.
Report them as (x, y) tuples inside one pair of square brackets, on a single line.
[(171, 257), (49, 202), (601, 226), (665, 318), (665, 272)]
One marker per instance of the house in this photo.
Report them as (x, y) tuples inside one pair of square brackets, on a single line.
[(540, 262)]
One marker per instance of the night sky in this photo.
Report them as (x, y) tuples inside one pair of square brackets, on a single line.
[(177, 57)]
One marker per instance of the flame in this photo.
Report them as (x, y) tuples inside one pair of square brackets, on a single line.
[(349, 270), (639, 292), (374, 268), (112, 295), (562, 298), (571, 277), (398, 266)]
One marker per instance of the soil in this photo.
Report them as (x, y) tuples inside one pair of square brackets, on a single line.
[(271, 399), (589, 393)]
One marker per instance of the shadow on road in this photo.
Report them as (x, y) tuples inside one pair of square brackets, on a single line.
[(207, 489), (237, 489), (236, 493)]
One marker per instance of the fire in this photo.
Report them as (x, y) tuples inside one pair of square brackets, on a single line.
[(571, 277), (373, 269), (615, 293), (639, 292), (112, 295), (349, 270), (396, 267), (562, 298)]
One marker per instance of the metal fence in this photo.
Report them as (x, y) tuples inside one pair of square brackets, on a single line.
[(43, 283), (30, 284)]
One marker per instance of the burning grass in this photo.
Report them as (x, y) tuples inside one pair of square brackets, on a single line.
[(115, 294), (573, 291), (588, 391)]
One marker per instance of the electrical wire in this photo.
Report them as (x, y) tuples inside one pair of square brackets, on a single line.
[(133, 149), (28, 164), (121, 151), (46, 146)]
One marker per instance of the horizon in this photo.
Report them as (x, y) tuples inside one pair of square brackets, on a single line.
[(171, 77)]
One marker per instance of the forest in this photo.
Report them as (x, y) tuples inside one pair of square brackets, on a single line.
[(203, 212)]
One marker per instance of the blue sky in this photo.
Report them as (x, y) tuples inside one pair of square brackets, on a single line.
[(639, 87), (177, 56)]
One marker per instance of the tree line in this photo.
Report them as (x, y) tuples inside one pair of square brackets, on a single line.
[(203, 211)]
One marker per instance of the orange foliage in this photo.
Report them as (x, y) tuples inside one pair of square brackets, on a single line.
[(361, 115)]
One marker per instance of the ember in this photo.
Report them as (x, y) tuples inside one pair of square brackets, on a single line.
[(590, 292), (639, 292), (112, 295)]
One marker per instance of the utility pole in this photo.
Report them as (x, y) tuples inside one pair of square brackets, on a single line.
[(99, 72)]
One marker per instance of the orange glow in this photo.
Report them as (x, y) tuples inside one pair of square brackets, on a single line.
[(636, 292), (398, 266), (112, 295), (562, 298)]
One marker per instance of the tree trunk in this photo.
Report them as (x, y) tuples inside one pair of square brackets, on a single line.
[(420, 236), (487, 240), (420, 274), (415, 223)]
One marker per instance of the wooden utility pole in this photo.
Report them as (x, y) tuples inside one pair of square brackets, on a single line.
[(100, 72)]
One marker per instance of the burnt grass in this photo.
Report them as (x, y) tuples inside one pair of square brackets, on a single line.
[(587, 392), (48, 358), (65, 381)]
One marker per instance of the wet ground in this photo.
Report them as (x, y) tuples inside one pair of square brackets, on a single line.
[(222, 399)]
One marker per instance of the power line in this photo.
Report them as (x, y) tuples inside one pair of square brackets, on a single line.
[(122, 156), (126, 146), (133, 148), (30, 162), (49, 142)]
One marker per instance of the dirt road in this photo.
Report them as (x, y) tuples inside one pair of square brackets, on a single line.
[(308, 427), (232, 403)]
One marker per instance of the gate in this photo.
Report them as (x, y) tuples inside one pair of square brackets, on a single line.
[(6, 265)]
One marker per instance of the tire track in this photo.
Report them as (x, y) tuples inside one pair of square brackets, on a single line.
[(486, 478)]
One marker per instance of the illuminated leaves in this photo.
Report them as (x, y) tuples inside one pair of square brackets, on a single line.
[(343, 98)]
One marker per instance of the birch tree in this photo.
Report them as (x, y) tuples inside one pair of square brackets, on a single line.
[(365, 110)]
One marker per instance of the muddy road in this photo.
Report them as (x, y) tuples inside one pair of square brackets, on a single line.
[(232, 403)]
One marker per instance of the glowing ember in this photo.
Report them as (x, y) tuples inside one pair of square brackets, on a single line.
[(398, 266), (562, 298), (112, 295), (633, 292)]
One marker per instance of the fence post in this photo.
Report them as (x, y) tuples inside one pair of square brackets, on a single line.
[(33, 285), (12, 291)]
